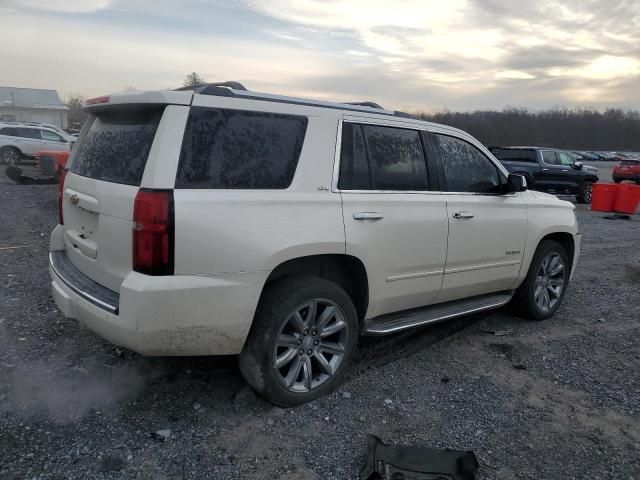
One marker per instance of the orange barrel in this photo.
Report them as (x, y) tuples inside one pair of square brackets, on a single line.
[(628, 199), (604, 196)]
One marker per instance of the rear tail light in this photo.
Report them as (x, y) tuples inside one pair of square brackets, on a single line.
[(63, 175), (153, 232)]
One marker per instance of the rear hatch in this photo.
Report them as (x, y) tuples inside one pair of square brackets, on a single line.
[(104, 177)]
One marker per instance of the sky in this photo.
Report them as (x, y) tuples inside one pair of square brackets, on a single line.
[(412, 55)]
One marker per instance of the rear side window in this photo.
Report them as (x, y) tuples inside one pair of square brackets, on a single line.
[(381, 158), (466, 168), (515, 154), (33, 133), (10, 131), (116, 145), (549, 157), (238, 149), (354, 168)]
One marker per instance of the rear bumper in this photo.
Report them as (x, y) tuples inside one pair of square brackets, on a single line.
[(173, 315), (626, 176)]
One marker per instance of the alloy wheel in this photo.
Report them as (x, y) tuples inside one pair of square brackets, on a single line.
[(10, 157), (550, 281), (310, 345)]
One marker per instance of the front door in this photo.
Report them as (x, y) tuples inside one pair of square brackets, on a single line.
[(393, 222), (557, 174), (487, 229)]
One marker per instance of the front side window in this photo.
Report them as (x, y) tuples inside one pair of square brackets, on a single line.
[(51, 136), (565, 159), (549, 157), (466, 168), (239, 149)]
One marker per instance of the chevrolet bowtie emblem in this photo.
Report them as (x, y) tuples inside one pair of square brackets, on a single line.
[(74, 199)]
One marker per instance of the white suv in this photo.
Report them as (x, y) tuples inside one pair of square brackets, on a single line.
[(18, 140), (223, 221)]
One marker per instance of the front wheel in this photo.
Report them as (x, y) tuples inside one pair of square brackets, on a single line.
[(586, 192), (302, 339), (546, 283)]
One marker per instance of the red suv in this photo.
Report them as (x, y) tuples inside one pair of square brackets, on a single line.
[(628, 169)]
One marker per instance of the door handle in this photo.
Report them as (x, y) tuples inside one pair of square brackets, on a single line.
[(463, 214), (367, 216), (545, 169)]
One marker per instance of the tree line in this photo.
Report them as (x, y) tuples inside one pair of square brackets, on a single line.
[(574, 129)]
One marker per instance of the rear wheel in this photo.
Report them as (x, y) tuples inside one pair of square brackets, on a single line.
[(546, 283), (301, 342), (586, 192), (10, 155)]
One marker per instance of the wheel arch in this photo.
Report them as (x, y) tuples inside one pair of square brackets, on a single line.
[(346, 270)]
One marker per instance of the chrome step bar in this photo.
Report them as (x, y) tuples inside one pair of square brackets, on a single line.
[(396, 322)]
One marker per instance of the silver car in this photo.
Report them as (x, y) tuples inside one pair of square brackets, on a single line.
[(18, 141)]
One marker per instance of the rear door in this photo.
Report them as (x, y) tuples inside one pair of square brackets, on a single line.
[(105, 173), (30, 140), (393, 221)]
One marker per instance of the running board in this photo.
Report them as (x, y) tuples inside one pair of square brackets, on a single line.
[(395, 322)]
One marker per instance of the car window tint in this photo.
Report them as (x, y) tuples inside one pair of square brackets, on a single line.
[(549, 157), (51, 136), (515, 154), (240, 149), (354, 169), (11, 131), (396, 158), (29, 133), (565, 159), (116, 145), (466, 168)]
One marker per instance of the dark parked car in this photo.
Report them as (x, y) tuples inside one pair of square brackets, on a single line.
[(586, 155), (549, 170)]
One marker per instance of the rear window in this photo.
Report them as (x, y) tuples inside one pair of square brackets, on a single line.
[(514, 154), (239, 149), (116, 146)]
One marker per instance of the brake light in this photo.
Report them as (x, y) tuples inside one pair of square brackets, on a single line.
[(63, 176), (153, 232), (95, 101)]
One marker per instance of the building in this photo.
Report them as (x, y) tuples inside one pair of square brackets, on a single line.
[(32, 105)]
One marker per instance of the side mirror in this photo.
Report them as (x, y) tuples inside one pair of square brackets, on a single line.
[(516, 183), (578, 165)]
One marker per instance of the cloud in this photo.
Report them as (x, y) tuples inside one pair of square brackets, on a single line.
[(423, 54), (67, 6)]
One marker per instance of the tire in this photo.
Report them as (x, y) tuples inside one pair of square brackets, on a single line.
[(525, 301), (283, 314), (586, 192), (10, 156)]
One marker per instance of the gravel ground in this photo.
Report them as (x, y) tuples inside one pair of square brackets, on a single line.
[(551, 400)]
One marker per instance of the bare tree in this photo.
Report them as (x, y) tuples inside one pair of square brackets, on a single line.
[(193, 79), (76, 116)]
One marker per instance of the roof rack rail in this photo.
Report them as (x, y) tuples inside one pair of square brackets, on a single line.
[(366, 104), (202, 86)]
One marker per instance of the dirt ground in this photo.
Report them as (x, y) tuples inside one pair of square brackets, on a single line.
[(558, 399)]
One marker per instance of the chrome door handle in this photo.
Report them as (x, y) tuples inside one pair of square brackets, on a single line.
[(545, 169), (462, 214), (367, 216)]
